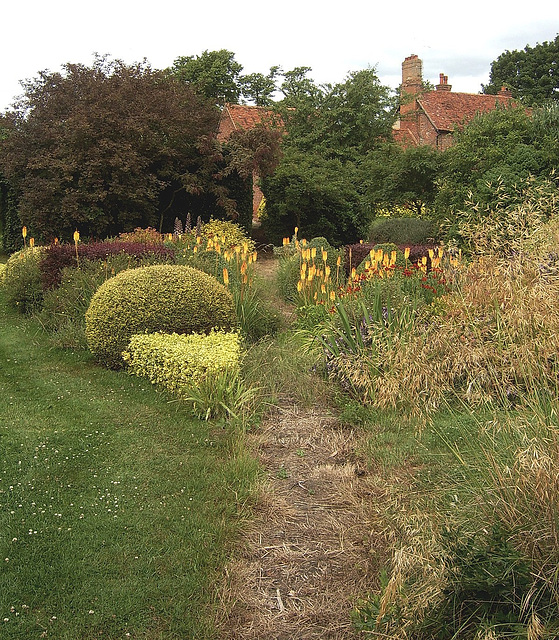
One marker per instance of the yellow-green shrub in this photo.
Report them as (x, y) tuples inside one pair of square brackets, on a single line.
[(227, 233), (178, 362), (22, 279), (168, 298)]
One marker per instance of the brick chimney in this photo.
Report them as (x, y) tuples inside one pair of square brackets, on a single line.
[(412, 85), (443, 83), (505, 92), (412, 75)]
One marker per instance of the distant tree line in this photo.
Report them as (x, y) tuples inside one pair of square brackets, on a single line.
[(108, 147)]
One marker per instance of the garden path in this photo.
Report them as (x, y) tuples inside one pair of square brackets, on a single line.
[(312, 549)]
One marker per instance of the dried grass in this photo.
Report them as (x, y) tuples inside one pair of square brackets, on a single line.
[(316, 541), (495, 340)]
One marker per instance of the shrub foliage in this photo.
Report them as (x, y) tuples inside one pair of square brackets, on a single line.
[(168, 298)]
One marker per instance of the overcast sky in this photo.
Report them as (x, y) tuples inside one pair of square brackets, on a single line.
[(332, 38)]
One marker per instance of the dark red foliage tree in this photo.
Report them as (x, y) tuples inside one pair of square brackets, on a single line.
[(108, 148)]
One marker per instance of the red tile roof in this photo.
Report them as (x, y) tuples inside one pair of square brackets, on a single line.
[(239, 116), (447, 110)]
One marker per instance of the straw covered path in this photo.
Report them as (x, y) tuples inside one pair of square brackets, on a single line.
[(314, 547)]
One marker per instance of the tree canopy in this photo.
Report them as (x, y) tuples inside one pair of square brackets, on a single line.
[(329, 130), (213, 74), (494, 159), (106, 148), (531, 74)]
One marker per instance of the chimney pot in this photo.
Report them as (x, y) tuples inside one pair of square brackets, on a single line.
[(443, 83)]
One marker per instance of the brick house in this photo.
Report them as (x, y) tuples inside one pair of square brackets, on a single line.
[(431, 117)]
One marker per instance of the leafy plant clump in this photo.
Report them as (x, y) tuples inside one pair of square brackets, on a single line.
[(403, 231), (178, 362), (168, 298), (227, 233), (22, 279)]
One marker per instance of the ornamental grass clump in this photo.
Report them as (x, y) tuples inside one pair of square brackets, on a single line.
[(479, 558), (493, 340)]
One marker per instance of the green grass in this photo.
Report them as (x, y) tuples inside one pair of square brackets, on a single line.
[(118, 510)]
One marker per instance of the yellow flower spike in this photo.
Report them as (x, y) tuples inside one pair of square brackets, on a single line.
[(353, 273), (244, 268), (299, 286), (237, 249), (393, 258), (225, 276), (303, 276), (303, 267), (24, 232), (406, 253), (332, 295), (315, 295), (304, 242), (285, 242), (385, 260), (195, 249), (326, 271), (441, 252), (367, 264), (56, 241), (76, 236), (431, 253), (313, 253), (296, 231), (424, 260), (360, 241), (322, 289), (31, 242), (198, 239), (324, 255), (339, 261)]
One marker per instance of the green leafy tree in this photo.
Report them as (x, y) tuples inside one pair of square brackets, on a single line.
[(259, 88), (344, 120), (315, 194), (329, 129), (494, 159), (213, 74), (402, 177), (107, 148), (531, 74)]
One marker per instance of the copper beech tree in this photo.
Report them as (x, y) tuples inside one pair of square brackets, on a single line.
[(107, 148)]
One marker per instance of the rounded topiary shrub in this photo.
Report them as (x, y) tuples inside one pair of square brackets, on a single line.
[(403, 231), (167, 298)]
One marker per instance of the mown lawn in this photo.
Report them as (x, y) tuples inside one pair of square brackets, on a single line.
[(117, 509)]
